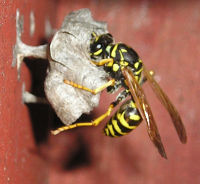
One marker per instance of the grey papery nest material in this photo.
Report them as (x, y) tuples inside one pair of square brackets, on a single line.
[(70, 48)]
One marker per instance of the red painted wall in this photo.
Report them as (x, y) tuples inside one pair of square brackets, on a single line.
[(166, 36), (19, 160)]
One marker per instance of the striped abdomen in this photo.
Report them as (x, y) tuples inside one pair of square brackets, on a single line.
[(124, 120)]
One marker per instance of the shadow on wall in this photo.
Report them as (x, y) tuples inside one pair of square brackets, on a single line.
[(79, 157), (40, 114), (44, 119)]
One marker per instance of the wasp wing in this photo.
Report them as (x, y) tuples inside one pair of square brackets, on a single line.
[(144, 109), (180, 129)]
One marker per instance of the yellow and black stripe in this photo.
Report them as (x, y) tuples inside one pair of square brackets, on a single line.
[(126, 119), (138, 70), (123, 56)]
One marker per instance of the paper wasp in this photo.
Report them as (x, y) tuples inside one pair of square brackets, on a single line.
[(126, 70)]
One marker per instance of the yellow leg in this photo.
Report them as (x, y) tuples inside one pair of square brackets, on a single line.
[(93, 91), (103, 62), (95, 122), (144, 79), (151, 72)]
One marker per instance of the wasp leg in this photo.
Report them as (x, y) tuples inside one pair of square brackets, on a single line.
[(98, 120), (144, 79), (122, 95), (103, 62), (93, 91), (95, 122)]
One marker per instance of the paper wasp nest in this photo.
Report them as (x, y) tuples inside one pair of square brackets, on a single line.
[(70, 47)]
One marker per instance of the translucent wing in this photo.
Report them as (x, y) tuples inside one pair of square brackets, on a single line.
[(144, 109), (176, 119)]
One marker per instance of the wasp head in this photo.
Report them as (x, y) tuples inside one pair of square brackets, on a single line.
[(98, 45)]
